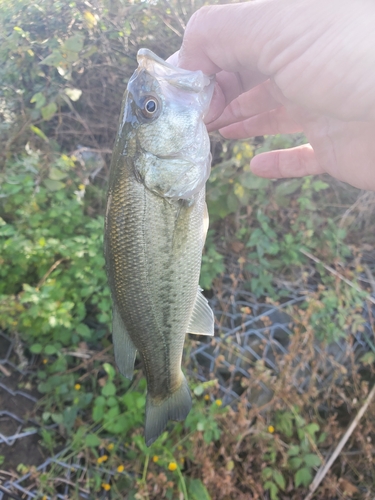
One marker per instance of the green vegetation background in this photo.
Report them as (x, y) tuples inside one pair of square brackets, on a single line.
[(63, 69)]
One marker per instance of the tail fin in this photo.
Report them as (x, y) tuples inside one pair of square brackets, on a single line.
[(176, 407)]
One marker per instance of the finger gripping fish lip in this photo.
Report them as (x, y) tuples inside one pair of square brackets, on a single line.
[(193, 81)]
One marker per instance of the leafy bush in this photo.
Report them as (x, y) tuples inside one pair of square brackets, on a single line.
[(64, 64)]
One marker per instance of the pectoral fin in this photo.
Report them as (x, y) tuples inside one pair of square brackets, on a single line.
[(124, 348), (202, 318)]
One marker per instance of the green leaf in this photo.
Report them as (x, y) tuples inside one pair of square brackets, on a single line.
[(302, 476), (109, 389), (36, 348), (232, 202), (112, 401), (110, 371), (322, 438), (70, 415), (92, 440), (251, 181), (98, 413), (83, 330), (319, 185), (39, 133), (273, 489), (132, 495), (286, 188), (73, 94), (279, 479), (53, 59), (300, 421), (74, 43), (293, 450), (295, 462), (57, 418), (267, 473), (50, 349), (199, 390), (312, 460), (197, 490), (100, 401), (53, 185), (88, 52), (56, 175), (39, 100), (368, 358), (49, 111), (312, 429)]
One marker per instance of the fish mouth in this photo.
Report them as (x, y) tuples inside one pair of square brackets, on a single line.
[(151, 56), (191, 81)]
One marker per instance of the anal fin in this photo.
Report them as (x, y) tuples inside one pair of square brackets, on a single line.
[(124, 348), (202, 317)]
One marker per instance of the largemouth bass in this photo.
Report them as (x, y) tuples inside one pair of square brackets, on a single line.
[(156, 224)]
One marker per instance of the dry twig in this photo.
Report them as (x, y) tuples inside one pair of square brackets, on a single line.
[(320, 475), (50, 270), (337, 274), (85, 363), (5, 371)]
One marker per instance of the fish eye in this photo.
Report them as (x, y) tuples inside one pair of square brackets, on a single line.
[(150, 107)]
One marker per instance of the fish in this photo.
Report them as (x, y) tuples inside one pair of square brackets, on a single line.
[(155, 228)]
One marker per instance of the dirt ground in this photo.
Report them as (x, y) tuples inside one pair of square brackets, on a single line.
[(25, 450)]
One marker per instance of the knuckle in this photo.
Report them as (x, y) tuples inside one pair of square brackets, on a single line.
[(197, 22), (237, 110)]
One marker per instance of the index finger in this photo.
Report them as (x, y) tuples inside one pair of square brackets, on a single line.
[(227, 88)]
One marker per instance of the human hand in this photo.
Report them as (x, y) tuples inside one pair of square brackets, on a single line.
[(287, 66)]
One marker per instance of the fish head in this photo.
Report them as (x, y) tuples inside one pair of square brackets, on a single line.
[(162, 122)]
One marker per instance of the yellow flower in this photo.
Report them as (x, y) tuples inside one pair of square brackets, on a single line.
[(120, 468), (110, 446), (45, 361), (172, 466), (44, 497), (81, 187), (271, 429), (102, 459), (218, 402), (155, 458), (207, 397), (106, 486), (77, 387)]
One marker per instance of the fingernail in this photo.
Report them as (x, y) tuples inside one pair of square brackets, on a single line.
[(217, 105)]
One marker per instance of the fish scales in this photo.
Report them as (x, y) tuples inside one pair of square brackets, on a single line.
[(153, 245), (147, 252)]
